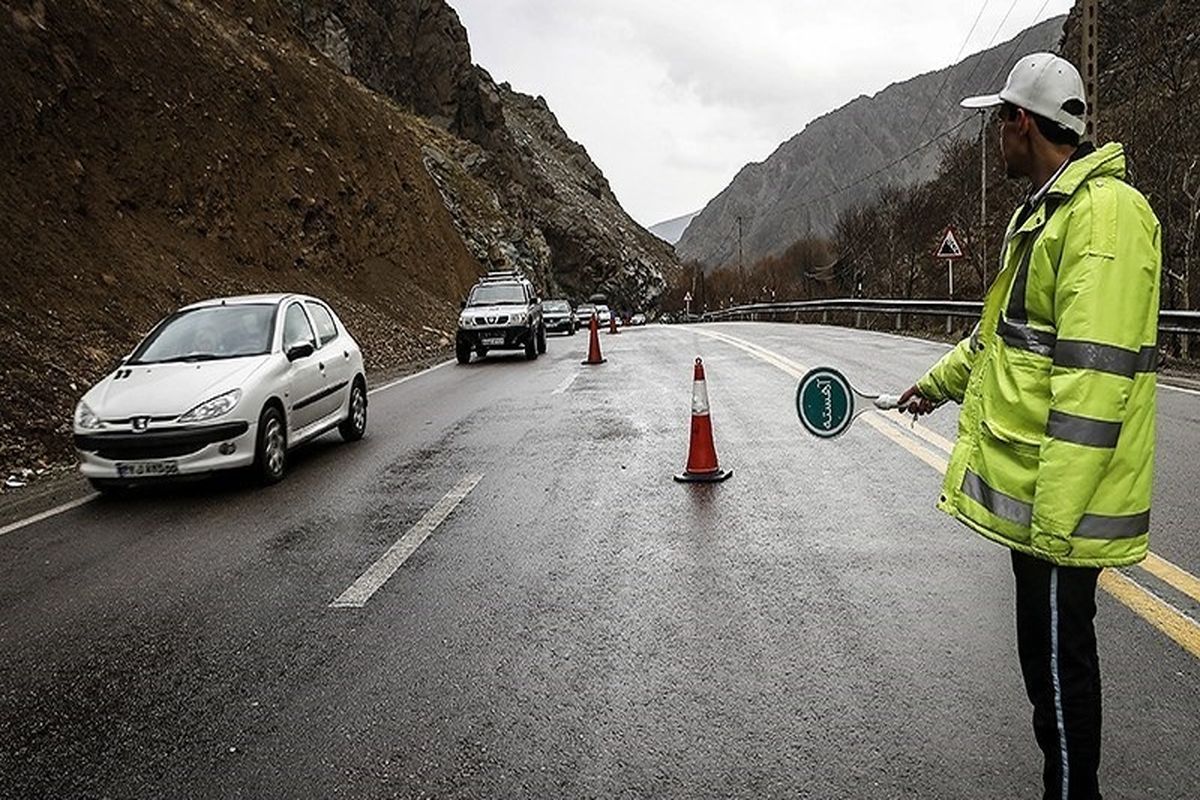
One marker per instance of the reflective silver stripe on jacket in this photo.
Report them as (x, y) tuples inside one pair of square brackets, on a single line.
[(1091, 526), (1024, 337), (1016, 294), (1069, 353), (1082, 430), (1002, 505), (1105, 357)]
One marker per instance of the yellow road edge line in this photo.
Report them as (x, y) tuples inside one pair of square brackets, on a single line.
[(934, 438), (1176, 577), (1182, 629), (1178, 626), (930, 458)]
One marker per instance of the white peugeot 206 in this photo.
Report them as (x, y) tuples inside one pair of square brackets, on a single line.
[(223, 384)]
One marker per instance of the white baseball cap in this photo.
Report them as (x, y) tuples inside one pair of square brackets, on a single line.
[(1044, 84)]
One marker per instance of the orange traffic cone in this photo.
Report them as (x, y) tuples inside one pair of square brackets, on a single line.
[(702, 453), (612, 323), (594, 356)]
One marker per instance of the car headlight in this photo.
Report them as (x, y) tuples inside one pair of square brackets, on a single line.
[(85, 418), (465, 321), (219, 406), (518, 318)]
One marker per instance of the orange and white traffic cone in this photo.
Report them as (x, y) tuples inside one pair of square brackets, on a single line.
[(702, 464), (594, 356), (612, 323)]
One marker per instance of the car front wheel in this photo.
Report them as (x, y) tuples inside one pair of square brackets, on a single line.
[(354, 426), (462, 351), (531, 347), (541, 339), (270, 452)]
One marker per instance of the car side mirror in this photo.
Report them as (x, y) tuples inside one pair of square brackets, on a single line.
[(301, 350)]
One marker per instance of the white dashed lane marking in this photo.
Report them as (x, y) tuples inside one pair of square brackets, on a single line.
[(378, 573)]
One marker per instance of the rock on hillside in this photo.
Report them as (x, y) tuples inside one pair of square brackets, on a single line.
[(526, 194), (157, 152), (795, 192)]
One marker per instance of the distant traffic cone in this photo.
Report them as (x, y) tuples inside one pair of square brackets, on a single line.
[(594, 356), (612, 323), (702, 453)]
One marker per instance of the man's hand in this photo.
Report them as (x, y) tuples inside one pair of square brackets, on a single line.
[(915, 403)]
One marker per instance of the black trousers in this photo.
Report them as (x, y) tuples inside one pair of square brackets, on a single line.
[(1056, 642)]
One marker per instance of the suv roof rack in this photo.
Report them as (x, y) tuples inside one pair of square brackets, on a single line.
[(502, 276)]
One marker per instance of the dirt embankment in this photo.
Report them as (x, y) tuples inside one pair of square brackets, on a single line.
[(161, 151)]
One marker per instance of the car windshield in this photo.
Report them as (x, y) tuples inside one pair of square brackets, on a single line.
[(556, 305), (208, 334), (585, 310), (497, 294)]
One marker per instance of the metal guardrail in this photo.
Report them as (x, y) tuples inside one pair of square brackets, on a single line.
[(1169, 321)]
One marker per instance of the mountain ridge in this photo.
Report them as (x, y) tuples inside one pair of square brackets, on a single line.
[(670, 230), (827, 166)]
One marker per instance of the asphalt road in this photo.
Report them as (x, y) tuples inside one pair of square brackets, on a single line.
[(579, 625)]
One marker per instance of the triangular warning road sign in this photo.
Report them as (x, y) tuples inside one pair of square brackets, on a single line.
[(949, 248)]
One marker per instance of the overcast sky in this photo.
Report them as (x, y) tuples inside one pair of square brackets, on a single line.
[(672, 97)]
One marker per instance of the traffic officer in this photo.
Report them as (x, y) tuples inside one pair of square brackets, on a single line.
[(1055, 450)]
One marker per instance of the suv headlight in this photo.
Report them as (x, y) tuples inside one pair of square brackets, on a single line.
[(518, 317), (219, 406), (85, 418), (465, 321)]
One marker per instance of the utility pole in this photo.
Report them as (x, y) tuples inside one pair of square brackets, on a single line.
[(982, 238), (741, 269), (1089, 57)]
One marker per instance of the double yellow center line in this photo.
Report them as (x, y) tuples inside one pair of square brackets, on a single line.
[(1177, 625)]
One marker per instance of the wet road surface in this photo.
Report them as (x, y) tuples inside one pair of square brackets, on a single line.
[(575, 624)]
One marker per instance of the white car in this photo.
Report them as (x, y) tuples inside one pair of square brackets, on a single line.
[(603, 315), (223, 384)]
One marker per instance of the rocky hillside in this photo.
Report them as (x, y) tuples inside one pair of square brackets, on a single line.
[(160, 151), (795, 192), (550, 207)]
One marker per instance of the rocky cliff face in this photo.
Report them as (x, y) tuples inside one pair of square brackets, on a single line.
[(248, 165), (803, 186), (521, 191)]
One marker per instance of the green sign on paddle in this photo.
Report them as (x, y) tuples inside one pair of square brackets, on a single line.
[(825, 402)]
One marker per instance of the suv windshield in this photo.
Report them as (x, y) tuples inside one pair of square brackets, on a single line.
[(497, 294), (556, 305), (207, 334)]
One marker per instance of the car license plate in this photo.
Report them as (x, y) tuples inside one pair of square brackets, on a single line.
[(148, 469), (493, 340)]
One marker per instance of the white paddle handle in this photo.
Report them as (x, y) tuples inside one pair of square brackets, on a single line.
[(887, 402)]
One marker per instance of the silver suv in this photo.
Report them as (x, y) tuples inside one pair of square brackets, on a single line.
[(502, 312)]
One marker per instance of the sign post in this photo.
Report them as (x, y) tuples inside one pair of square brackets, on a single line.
[(687, 306), (949, 251)]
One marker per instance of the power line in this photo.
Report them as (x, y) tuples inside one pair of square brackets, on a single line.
[(863, 179), (950, 69)]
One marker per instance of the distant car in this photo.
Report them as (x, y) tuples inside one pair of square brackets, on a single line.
[(502, 312), (584, 314), (222, 384), (558, 317), (603, 314), (637, 319)]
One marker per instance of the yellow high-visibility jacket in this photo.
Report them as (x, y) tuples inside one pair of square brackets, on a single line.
[(1055, 449)]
